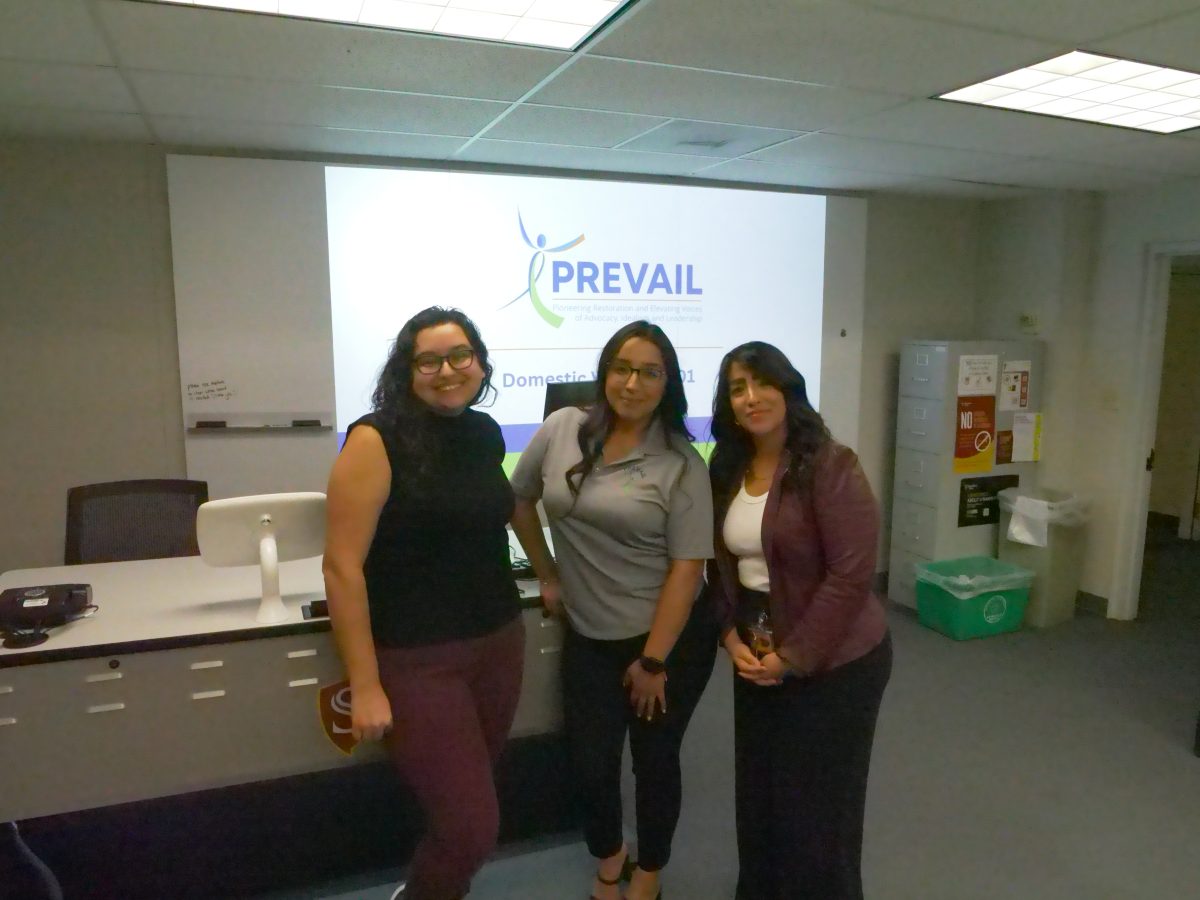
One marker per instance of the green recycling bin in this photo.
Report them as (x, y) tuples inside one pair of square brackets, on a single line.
[(971, 597)]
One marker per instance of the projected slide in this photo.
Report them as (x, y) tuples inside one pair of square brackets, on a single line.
[(549, 268)]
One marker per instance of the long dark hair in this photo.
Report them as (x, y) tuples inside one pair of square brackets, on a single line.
[(806, 431), (671, 411), (401, 411)]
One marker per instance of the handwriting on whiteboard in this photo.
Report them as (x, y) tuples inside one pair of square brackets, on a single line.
[(216, 389)]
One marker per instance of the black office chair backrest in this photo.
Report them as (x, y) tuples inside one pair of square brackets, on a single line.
[(149, 518)]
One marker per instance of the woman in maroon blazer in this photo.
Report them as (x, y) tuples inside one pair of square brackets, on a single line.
[(796, 533)]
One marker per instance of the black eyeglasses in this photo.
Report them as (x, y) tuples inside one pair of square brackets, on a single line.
[(623, 370), (431, 363)]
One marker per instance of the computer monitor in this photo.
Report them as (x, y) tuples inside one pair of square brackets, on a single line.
[(262, 530), (568, 393)]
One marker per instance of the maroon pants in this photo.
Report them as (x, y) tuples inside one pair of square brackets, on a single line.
[(452, 707)]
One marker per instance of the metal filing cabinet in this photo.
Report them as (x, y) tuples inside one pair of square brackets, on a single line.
[(927, 489)]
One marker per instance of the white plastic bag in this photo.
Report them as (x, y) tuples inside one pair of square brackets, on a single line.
[(1035, 511)]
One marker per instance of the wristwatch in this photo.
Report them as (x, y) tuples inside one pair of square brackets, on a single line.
[(652, 666)]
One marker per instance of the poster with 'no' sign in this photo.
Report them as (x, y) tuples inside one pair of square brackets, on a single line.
[(975, 434)]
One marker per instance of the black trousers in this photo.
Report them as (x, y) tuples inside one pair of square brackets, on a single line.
[(598, 715), (802, 751)]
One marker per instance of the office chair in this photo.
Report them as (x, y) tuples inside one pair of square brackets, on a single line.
[(142, 519)]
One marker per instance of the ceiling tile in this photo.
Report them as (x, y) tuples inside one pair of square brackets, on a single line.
[(1177, 154), (579, 127), (295, 138), (289, 103), (1170, 43), (829, 43), (881, 156), (707, 96), (968, 127), (65, 87), (202, 41), (1053, 173), (967, 190), (803, 176), (72, 124), (708, 139), (586, 158), (52, 30), (1073, 21)]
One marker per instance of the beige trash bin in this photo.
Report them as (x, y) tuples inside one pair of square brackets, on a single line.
[(1049, 538)]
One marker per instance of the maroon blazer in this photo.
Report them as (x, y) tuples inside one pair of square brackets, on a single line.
[(820, 551)]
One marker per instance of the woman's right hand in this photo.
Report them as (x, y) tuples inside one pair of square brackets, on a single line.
[(744, 660), (370, 713), (550, 590)]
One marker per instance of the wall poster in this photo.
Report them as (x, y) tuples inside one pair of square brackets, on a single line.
[(975, 434), (1027, 437), (978, 503), (1014, 385), (977, 375)]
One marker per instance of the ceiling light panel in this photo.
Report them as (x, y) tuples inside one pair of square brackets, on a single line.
[(1094, 88), (558, 24)]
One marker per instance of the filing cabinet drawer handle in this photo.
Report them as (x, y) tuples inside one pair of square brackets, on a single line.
[(302, 682), (207, 664), (6, 689), (547, 623), (546, 650), (8, 721), (106, 707), (207, 695), (916, 433), (107, 676), (915, 378), (300, 654)]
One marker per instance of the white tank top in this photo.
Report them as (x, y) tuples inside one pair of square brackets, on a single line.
[(742, 532)]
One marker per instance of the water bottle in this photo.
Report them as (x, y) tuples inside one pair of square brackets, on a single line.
[(761, 634)]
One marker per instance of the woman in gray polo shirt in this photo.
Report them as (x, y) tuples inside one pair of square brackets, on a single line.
[(630, 511)]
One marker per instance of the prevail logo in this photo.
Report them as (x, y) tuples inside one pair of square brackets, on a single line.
[(537, 263), (334, 703), (608, 279), (624, 278)]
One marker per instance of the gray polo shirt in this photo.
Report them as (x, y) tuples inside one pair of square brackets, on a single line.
[(632, 517)]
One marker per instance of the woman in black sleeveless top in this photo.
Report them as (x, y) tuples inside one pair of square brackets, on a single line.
[(421, 595)]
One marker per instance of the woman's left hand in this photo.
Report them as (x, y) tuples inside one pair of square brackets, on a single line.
[(645, 690)]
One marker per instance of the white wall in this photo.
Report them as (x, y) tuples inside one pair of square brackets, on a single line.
[(1081, 262), (1116, 406), (1177, 435), (843, 320), (87, 321), (1037, 256), (88, 318), (921, 282)]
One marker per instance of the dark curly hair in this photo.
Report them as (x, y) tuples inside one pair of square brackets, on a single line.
[(395, 404), (806, 431), (671, 411)]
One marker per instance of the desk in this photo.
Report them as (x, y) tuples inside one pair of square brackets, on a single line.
[(173, 687)]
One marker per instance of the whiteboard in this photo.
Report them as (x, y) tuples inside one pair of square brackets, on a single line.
[(251, 273)]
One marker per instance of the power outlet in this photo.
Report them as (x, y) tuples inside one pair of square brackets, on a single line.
[(1030, 323)]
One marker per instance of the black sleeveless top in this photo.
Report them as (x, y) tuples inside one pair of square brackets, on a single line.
[(438, 568)]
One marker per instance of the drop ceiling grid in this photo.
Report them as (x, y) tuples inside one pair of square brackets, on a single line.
[(230, 77)]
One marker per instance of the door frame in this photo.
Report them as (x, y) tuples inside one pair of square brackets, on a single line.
[(1134, 500)]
